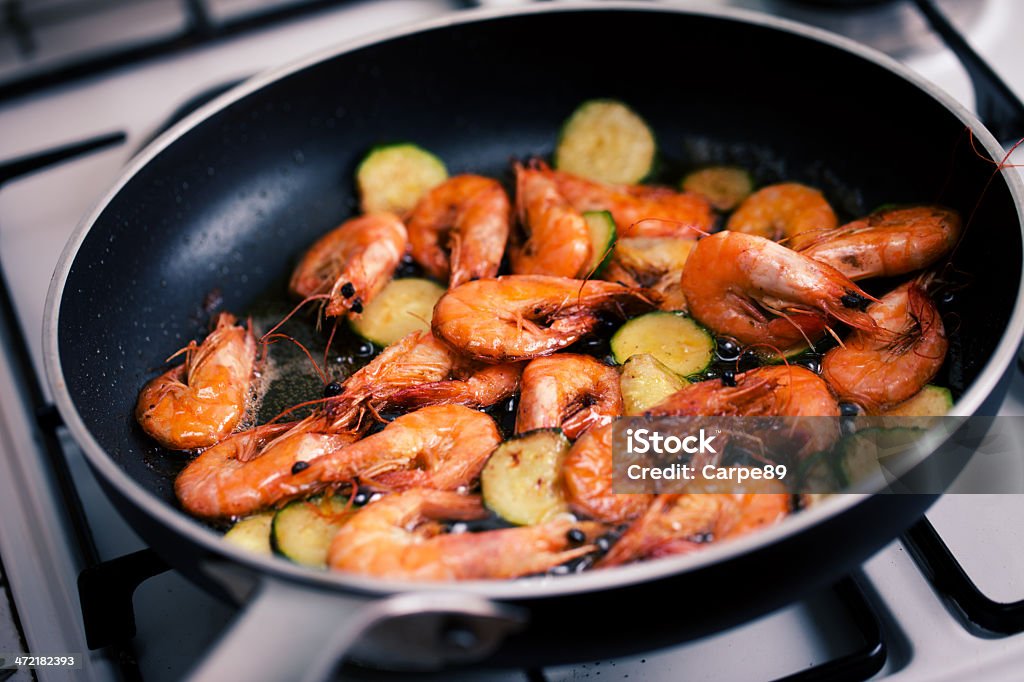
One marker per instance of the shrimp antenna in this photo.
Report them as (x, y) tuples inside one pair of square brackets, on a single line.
[(998, 166), (327, 349), (297, 308), (273, 338)]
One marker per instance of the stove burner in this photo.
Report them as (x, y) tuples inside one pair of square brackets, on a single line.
[(977, 611)]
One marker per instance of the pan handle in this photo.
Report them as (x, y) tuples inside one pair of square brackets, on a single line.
[(292, 632)]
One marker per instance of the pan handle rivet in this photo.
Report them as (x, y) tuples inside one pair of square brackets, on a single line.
[(459, 637)]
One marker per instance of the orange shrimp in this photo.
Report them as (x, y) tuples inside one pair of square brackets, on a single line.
[(886, 243), (418, 370), (557, 239), (885, 367), (675, 524), (568, 391), (398, 537), (518, 317), (769, 391), (201, 401), (760, 292), (784, 210), (587, 473), (655, 263), (253, 469), (442, 446), (638, 210), (352, 263), (475, 385), (466, 216)]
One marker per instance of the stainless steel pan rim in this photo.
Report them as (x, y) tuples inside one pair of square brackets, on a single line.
[(525, 588)]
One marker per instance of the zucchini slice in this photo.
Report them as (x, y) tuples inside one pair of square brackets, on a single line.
[(602, 239), (674, 339), (522, 480), (252, 533), (930, 401), (607, 141), (302, 531), (646, 382), (402, 307), (725, 187), (865, 452), (394, 177)]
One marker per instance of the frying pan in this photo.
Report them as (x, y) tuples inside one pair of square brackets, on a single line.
[(231, 196)]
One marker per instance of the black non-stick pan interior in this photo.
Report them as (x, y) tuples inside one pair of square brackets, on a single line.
[(230, 205)]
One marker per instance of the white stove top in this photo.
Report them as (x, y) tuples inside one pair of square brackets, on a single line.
[(176, 621)]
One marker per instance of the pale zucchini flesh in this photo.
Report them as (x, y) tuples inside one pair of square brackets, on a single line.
[(677, 341), (725, 187), (874, 450), (605, 140), (395, 177), (402, 307), (522, 480), (252, 533), (602, 239), (646, 382), (303, 530)]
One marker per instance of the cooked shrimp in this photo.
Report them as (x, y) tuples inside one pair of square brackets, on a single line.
[(352, 263), (518, 317), (770, 391), (253, 469), (784, 210), (476, 385), (466, 216), (655, 263), (398, 537), (639, 210), (557, 239), (568, 391), (881, 368), (675, 524), (886, 243), (415, 359), (441, 447), (587, 474), (201, 401), (418, 370), (757, 291)]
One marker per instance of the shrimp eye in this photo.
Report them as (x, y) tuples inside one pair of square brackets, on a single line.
[(347, 290), (332, 389), (851, 299), (728, 377), (357, 306), (575, 536), (299, 467)]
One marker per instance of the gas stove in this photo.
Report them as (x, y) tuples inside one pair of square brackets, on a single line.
[(944, 602)]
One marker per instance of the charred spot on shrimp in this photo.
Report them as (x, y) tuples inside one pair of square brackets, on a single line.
[(851, 299)]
